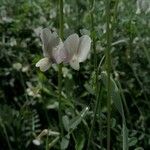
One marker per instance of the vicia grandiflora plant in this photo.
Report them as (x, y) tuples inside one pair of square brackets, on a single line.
[(143, 6), (74, 50)]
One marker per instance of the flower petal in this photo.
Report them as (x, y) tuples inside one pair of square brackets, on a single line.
[(37, 142), (59, 53), (138, 4), (74, 63), (44, 64), (50, 40), (71, 46), (84, 48), (38, 31)]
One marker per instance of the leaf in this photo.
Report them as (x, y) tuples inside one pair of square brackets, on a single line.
[(115, 95), (89, 88), (139, 148), (65, 142), (65, 121), (133, 141), (125, 137), (77, 120), (80, 141)]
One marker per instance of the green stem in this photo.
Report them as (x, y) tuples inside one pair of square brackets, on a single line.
[(59, 97), (94, 118), (53, 142), (109, 36), (61, 19), (108, 69), (114, 16), (96, 74), (60, 67), (46, 146), (100, 119), (6, 135)]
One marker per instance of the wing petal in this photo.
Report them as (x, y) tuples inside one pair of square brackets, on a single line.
[(44, 64), (84, 48), (59, 53), (71, 46), (50, 40)]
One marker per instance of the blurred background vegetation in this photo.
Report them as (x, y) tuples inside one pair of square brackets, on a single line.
[(28, 97)]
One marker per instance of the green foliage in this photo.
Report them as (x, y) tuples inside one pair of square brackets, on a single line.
[(29, 98)]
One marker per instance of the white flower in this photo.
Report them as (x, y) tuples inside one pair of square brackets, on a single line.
[(143, 6), (44, 64), (73, 51), (77, 49), (37, 142), (52, 49), (17, 66)]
